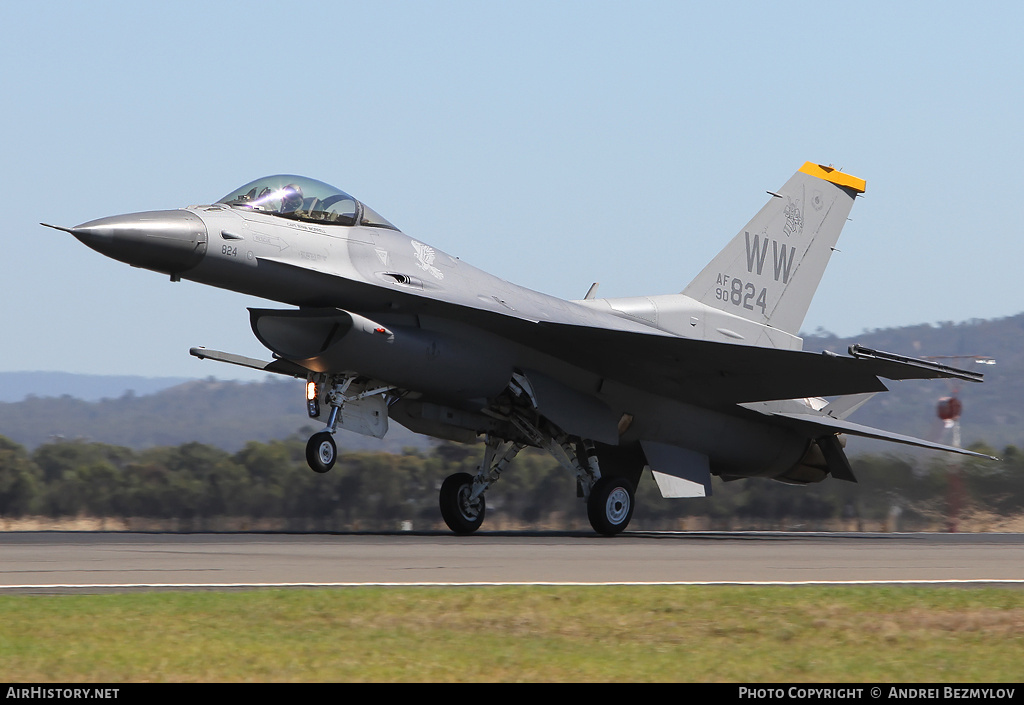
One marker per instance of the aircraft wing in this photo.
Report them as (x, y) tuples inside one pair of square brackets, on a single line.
[(713, 374), (718, 374)]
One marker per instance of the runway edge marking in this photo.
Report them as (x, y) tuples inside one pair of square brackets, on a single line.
[(93, 586)]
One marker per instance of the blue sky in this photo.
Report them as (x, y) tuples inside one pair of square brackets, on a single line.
[(551, 143)]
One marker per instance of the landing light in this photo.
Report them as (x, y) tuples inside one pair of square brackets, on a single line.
[(312, 400)]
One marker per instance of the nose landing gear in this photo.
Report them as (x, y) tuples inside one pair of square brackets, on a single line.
[(321, 451), (365, 412)]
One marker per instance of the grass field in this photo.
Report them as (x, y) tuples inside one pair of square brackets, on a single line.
[(579, 634)]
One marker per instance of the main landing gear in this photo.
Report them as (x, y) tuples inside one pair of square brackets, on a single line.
[(610, 505), (610, 499), (462, 495), (462, 512)]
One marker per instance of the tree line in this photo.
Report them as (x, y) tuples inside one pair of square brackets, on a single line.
[(197, 485)]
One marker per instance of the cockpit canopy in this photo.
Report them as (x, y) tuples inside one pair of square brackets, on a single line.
[(300, 198)]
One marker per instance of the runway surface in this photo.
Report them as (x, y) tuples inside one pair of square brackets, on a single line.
[(57, 561)]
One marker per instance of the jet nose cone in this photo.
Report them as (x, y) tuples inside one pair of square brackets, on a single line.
[(165, 241)]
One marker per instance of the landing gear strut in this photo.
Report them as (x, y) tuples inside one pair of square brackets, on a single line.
[(462, 495)]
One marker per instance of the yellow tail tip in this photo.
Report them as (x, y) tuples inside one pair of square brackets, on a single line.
[(834, 176)]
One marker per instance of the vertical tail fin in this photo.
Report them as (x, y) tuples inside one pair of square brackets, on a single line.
[(769, 272)]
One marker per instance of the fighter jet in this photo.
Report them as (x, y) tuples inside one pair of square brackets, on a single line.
[(709, 381)]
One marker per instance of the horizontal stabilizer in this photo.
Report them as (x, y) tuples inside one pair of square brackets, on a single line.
[(815, 423), (280, 367)]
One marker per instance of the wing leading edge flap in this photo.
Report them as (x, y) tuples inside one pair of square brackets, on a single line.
[(828, 425)]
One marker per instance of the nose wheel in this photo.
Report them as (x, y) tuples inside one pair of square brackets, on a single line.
[(321, 451), (610, 505)]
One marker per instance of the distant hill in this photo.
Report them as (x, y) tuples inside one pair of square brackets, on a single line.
[(15, 386), (225, 414), (165, 411)]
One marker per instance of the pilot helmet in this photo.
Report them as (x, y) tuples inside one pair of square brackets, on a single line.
[(291, 198)]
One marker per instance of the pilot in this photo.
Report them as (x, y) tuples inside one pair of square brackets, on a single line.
[(291, 198)]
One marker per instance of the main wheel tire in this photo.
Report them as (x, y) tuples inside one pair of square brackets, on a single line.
[(610, 506), (321, 452), (461, 516)]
